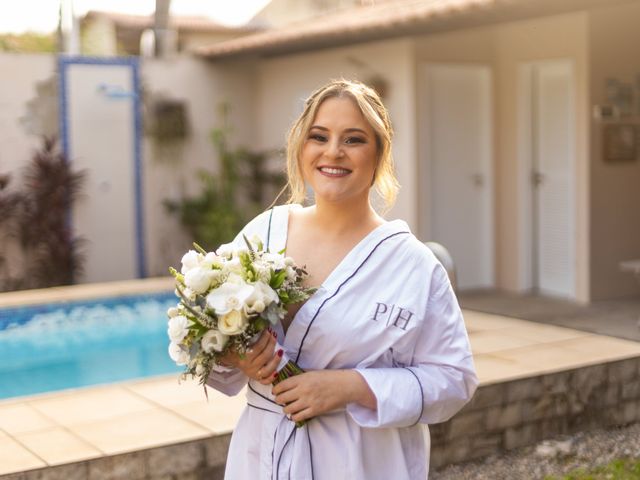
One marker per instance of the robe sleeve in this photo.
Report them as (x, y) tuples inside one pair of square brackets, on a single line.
[(227, 380), (439, 380)]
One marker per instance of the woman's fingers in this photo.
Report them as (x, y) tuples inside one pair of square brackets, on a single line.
[(268, 371)]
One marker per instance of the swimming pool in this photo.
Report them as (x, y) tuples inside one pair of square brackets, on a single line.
[(57, 346)]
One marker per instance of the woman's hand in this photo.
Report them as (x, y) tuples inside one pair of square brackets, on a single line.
[(320, 391), (260, 361)]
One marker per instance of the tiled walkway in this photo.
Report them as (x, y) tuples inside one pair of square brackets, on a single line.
[(71, 426)]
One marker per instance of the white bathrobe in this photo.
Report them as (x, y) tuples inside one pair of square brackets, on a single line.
[(388, 311)]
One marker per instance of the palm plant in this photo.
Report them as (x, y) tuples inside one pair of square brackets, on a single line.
[(51, 251)]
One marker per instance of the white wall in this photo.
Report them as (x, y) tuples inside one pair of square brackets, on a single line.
[(285, 82), (171, 172), (20, 75), (167, 173)]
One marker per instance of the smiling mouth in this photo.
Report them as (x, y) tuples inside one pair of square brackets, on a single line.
[(334, 171)]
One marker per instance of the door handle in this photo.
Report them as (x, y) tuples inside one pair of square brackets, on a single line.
[(477, 179), (537, 178)]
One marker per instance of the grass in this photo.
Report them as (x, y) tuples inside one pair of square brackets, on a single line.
[(620, 469)]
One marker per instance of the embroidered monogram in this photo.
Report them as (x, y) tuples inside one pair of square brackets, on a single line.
[(392, 315)]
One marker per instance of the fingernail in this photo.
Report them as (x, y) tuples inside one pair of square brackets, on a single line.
[(275, 335), (275, 374), (269, 328), (280, 352)]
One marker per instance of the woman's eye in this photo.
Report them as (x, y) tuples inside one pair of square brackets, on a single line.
[(317, 137), (354, 140)]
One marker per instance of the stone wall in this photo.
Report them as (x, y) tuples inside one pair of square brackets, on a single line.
[(509, 415), (202, 459), (501, 416)]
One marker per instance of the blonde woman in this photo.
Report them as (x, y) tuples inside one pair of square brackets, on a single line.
[(382, 341)]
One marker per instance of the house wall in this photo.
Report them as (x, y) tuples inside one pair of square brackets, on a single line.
[(614, 36), (16, 143), (505, 47), (169, 171), (285, 82)]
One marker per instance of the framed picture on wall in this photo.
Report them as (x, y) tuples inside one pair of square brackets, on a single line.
[(620, 142)]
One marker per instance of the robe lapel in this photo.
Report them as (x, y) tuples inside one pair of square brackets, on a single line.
[(302, 323)]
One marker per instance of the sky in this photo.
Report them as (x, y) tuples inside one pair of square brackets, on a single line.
[(42, 15)]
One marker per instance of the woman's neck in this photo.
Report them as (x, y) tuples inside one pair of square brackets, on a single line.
[(338, 218)]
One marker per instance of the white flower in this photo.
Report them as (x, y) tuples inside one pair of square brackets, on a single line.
[(199, 369), (264, 273), (262, 293), (178, 328), (213, 340), (225, 250), (258, 306), (198, 279), (288, 261), (190, 260), (190, 294), (173, 312), (210, 259), (291, 274), (276, 260), (228, 297), (178, 354), (232, 323)]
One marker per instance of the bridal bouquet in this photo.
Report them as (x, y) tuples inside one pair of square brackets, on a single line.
[(227, 299)]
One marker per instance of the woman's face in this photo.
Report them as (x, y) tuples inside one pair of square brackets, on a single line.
[(338, 157)]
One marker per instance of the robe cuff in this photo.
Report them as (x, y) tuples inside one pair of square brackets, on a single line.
[(399, 398), (227, 380)]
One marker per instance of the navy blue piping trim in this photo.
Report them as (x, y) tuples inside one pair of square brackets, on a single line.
[(269, 229), (260, 408), (293, 432), (421, 395), (273, 450), (310, 450), (64, 61), (260, 395), (341, 285)]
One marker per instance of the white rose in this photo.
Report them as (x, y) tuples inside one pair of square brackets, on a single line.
[(198, 279), (190, 260), (173, 312), (228, 297), (178, 354), (178, 328), (288, 261), (232, 323), (213, 340)]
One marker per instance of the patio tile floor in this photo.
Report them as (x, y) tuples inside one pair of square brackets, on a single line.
[(73, 425)]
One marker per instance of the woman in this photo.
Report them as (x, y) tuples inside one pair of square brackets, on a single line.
[(382, 341)]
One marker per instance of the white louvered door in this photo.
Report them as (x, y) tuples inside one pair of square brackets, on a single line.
[(553, 159)]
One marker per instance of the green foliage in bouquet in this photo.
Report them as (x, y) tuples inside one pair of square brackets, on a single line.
[(230, 198)]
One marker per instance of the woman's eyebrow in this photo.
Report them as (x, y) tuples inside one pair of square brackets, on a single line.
[(346, 130)]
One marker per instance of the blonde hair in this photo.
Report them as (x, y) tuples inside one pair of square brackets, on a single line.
[(369, 103)]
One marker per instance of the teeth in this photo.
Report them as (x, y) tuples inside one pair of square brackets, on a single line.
[(334, 171)]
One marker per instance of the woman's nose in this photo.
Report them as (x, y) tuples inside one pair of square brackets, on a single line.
[(334, 149)]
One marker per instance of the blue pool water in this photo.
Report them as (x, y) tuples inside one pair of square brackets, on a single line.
[(57, 346)]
